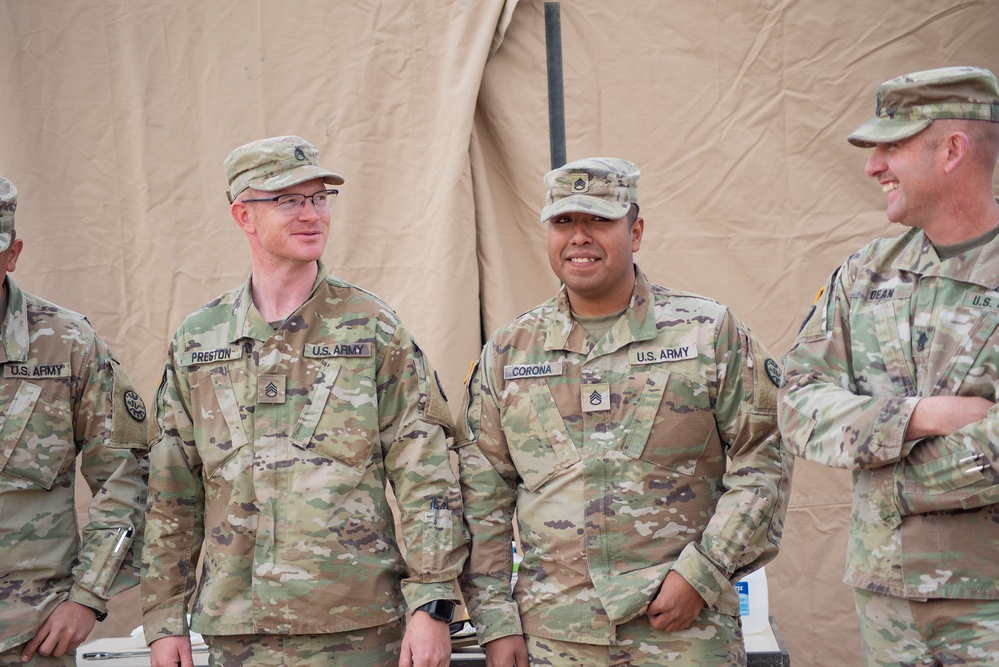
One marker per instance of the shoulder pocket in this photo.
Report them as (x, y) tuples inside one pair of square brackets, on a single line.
[(129, 428)]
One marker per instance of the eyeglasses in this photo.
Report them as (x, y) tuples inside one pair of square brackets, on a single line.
[(292, 204)]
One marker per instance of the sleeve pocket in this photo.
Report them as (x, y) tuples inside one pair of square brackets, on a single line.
[(951, 482)]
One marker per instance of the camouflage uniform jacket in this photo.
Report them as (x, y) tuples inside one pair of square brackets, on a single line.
[(62, 394), (895, 323), (274, 452), (613, 453)]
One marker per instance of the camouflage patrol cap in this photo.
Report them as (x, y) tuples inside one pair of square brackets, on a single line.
[(907, 105), (274, 164), (604, 186), (8, 202)]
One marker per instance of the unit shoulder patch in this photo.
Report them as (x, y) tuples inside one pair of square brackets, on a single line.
[(134, 406), (774, 372)]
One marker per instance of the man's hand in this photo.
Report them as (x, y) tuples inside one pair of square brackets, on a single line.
[(942, 415), (65, 629), (510, 651), (676, 605), (427, 643), (171, 652)]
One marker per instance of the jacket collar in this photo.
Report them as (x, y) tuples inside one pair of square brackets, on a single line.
[(246, 320), (14, 328), (979, 266), (638, 323)]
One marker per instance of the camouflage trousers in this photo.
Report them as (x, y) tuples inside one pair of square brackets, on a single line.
[(712, 640), (913, 633), (379, 646), (12, 658)]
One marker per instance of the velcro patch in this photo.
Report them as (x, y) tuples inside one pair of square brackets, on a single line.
[(887, 293), (658, 355), (989, 300), (767, 376), (532, 370), (128, 413), (134, 405), (338, 350), (211, 356), (37, 371), (271, 388), (773, 372), (595, 397)]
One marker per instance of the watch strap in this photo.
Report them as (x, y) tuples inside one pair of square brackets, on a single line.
[(439, 610)]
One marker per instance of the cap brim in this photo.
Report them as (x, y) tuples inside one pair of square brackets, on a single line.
[(294, 177), (612, 210), (880, 130)]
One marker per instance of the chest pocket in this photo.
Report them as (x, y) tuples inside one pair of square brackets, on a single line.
[(674, 427), (223, 435), (36, 436), (340, 417), (539, 442)]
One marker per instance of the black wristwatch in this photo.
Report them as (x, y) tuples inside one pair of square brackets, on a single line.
[(439, 610), (101, 615)]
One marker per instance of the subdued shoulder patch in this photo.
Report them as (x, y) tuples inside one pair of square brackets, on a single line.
[(774, 372), (128, 413), (135, 406), (436, 410)]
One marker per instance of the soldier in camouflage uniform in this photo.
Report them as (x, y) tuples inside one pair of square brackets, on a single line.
[(895, 372), (605, 417), (286, 408), (62, 397)]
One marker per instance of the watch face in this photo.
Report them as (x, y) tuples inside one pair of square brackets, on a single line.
[(439, 610)]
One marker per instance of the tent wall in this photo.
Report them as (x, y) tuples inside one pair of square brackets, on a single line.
[(118, 114)]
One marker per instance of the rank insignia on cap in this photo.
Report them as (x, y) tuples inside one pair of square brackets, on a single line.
[(773, 372), (134, 406), (580, 182), (299, 153)]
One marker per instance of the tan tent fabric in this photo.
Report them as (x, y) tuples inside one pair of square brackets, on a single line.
[(117, 116)]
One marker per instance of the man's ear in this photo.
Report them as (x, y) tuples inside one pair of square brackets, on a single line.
[(13, 252), (957, 146), (240, 213), (636, 234)]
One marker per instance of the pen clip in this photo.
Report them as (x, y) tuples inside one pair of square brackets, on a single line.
[(125, 534)]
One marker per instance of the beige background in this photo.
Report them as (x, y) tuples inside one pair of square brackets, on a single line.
[(116, 117)]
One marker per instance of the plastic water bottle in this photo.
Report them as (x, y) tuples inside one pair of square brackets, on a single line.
[(754, 602), (516, 564)]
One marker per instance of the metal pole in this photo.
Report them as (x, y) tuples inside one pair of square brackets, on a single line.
[(556, 93)]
